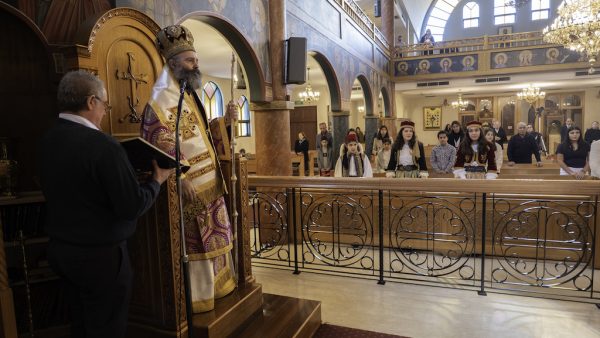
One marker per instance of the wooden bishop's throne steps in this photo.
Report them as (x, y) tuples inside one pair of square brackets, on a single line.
[(247, 312)]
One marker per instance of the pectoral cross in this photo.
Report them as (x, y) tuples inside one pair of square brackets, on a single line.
[(187, 125), (134, 80)]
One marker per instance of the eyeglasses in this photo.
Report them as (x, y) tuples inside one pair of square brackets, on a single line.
[(107, 107)]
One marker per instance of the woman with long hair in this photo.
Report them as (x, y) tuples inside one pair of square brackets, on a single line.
[(490, 136), (456, 134), (408, 156), (382, 134), (476, 156), (573, 154)]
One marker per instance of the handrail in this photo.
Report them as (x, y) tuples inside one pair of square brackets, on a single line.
[(486, 42), (507, 186)]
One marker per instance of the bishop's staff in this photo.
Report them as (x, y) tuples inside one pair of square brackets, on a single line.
[(231, 107)]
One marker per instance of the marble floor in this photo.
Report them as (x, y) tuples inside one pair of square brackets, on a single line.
[(423, 311)]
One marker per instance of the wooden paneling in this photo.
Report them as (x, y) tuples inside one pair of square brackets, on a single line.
[(27, 94), (303, 119)]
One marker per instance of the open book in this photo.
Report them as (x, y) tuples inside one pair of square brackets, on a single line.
[(141, 153)]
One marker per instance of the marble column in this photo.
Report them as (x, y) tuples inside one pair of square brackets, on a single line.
[(341, 121), (371, 128), (272, 119), (387, 20)]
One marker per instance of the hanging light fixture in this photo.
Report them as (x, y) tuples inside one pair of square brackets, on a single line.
[(309, 95), (577, 27), (531, 94), (460, 103)]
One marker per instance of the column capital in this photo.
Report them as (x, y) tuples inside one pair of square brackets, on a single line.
[(273, 105), (375, 117), (340, 113)]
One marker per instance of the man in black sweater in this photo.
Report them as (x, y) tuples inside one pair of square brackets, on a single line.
[(522, 146), (93, 202), (564, 130), (592, 134)]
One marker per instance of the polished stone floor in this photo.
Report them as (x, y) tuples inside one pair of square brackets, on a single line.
[(424, 311)]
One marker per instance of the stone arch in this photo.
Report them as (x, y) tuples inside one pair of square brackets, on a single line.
[(240, 43), (331, 78), (367, 92)]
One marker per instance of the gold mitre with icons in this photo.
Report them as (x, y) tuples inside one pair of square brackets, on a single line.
[(173, 40)]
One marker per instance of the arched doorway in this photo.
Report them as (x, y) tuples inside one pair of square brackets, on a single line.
[(384, 103), (309, 113)]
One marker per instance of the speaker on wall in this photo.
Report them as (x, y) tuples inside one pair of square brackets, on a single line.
[(295, 63)]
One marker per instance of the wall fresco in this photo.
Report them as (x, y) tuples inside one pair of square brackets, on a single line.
[(323, 12), (448, 64), (534, 57)]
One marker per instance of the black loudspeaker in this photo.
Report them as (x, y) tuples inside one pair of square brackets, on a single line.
[(295, 63)]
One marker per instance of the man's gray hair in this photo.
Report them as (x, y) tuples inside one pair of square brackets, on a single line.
[(521, 124), (74, 89)]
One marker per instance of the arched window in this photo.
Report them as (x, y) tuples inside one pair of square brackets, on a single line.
[(213, 100), (503, 13), (471, 15), (244, 128), (436, 21), (540, 9)]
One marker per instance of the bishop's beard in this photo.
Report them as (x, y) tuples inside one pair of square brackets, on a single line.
[(193, 77)]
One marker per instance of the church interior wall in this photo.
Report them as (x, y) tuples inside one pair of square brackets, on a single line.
[(523, 23), (323, 106), (411, 107), (246, 143)]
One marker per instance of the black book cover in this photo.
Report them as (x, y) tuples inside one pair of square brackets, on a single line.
[(141, 153)]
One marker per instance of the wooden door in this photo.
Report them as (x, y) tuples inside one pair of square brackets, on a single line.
[(304, 119)]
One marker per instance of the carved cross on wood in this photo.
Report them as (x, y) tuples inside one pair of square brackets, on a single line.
[(134, 80)]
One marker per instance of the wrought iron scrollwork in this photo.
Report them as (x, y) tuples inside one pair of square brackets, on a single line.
[(432, 236), (543, 243), (270, 236), (337, 230)]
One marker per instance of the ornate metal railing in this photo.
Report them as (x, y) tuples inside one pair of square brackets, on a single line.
[(480, 235)]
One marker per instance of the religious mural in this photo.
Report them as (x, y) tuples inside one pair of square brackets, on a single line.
[(533, 57), (448, 64), (250, 17)]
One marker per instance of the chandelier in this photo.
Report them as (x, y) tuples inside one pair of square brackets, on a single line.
[(309, 95), (577, 27), (531, 94), (516, 3), (460, 103)]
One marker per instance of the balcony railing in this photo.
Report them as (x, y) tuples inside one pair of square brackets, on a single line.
[(487, 42), (524, 236), (354, 11)]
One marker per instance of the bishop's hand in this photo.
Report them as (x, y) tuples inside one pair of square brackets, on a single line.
[(231, 114)]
